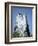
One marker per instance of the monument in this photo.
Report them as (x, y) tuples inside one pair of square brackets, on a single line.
[(22, 25)]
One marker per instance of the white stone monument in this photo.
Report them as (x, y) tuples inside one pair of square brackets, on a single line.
[(21, 23)]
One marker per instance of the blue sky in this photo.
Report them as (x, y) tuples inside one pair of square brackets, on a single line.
[(27, 11)]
